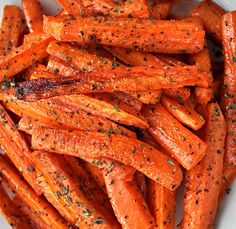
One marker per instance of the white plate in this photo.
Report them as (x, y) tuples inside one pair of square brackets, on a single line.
[(226, 218)]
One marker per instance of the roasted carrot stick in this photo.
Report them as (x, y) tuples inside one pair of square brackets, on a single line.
[(101, 109), (161, 202), (129, 151), (10, 29), (228, 99), (159, 9), (17, 150), (34, 69), (202, 183), (23, 57), (203, 95), (153, 38), (119, 79), (33, 15), (42, 208), (70, 194), (180, 94), (73, 7), (8, 209), (168, 60), (140, 180), (211, 14), (179, 142), (183, 113)]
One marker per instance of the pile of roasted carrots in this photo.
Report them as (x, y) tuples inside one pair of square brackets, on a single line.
[(107, 106)]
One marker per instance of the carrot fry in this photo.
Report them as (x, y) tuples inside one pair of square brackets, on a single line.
[(119, 79), (168, 60), (211, 14), (34, 15), (129, 151), (42, 208), (161, 202), (153, 39), (180, 94), (8, 209), (65, 184), (72, 7), (22, 57), (10, 29), (140, 180), (17, 150), (229, 175), (183, 113), (31, 70), (159, 9), (228, 99), (202, 183), (202, 95), (178, 141)]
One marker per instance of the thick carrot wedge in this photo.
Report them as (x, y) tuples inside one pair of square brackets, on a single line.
[(33, 15), (8, 209), (65, 28), (119, 79), (23, 57), (140, 180), (203, 182), (124, 193), (129, 151), (101, 109), (57, 114), (10, 29), (183, 113), (16, 148), (211, 14), (228, 99), (229, 175), (203, 95), (83, 211), (159, 9), (42, 208), (179, 142), (161, 202), (180, 94)]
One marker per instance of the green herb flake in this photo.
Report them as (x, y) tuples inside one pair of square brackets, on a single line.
[(87, 212), (99, 220), (30, 169), (116, 107), (217, 112), (171, 162)]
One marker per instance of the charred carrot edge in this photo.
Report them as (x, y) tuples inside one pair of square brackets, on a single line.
[(159, 9), (17, 150), (137, 215), (31, 70), (146, 137), (70, 193), (34, 15), (10, 28), (101, 109), (119, 79), (211, 14), (203, 95), (156, 41), (140, 180), (22, 57), (129, 151), (8, 209), (161, 203), (216, 89), (187, 148), (229, 175), (228, 98), (202, 185), (37, 204), (56, 114), (185, 114), (180, 94)]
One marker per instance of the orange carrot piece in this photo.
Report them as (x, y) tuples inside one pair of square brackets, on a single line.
[(8, 209), (73, 7), (211, 14), (180, 94), (129, 151), (202, 95), (23, 57), (119, 79), (168, 60), (16, 148), (159, 9), (42, 208), (34, 15), (179, 142), (10, 29), (161, 202), (82, 210), (140, 180), (31, 70), (153, 39), (183, 113), (229, 90), (202, 183), (216, 89)]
